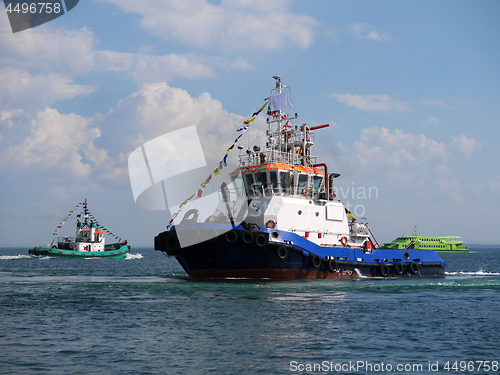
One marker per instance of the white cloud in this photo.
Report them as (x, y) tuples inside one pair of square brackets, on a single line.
[(231, 25), (67, 52), (158, 108), (153, 68), (364, 31), (38, 69), (494, 184), (10, 115), (433, 121), (113, 61), (414, 161), (96, 148), (60, 142), (397, 149), (148, 68), (375, 103), (465, 145), (22, 89)]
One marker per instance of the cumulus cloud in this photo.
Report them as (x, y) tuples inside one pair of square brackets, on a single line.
[(397, 149), (433, 121), (38, 68), (62, 142), (158, 108), (375, 103), (364, 31), (97, 148), (22, 89), (465, 145), (411, 168), (230, 25), (145, 67), (8, 116), (69, 52)]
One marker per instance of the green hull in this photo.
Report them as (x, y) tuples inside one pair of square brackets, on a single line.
[(111, 252), (444, 244)]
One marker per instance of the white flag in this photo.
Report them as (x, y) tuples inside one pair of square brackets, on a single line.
[(281, 101)]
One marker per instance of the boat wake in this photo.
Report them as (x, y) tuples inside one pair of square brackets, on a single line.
[(11, 257), (475, 273), (358, 272), (134, 256)]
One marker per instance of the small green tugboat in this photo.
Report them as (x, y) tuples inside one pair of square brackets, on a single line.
[(444, 244), (89, 241)]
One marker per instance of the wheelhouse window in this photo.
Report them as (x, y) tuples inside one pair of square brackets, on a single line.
[(238, 185), (285, 181), (249, 183), (273, 180), (317, 182), (260, 182), (302, 181)]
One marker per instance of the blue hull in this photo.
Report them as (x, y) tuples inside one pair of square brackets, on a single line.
[(274, 254)]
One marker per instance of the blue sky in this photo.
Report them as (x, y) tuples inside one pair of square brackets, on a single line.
[(411, 91)]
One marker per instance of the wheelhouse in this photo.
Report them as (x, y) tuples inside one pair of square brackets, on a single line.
[(280, 179)]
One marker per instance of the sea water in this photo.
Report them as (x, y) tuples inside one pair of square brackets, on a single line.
[(143, 315)]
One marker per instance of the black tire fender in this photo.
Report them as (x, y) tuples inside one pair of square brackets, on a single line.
[(247, 237), (315, 260), (398, 268), (281, 252), (332, 265), (413, 268), (231, 236), (261, 240), (383, 270)]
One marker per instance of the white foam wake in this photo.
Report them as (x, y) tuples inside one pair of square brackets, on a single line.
[(475, 273), (10, 257), (134, 256)]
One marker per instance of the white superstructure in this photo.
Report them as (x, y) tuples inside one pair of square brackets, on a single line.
[(287, 190)]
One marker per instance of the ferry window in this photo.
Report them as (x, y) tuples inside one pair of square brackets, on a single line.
[(284, 180)]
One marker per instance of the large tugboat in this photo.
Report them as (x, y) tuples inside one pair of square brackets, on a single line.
[(89, 241), (290, 225)]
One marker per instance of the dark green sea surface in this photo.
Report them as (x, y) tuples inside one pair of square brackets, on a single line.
[(142, 315)]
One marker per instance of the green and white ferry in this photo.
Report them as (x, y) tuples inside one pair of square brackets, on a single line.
[(89, 241), (444, 244)]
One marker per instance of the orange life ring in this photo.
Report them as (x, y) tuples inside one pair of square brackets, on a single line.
[(305, 190), (271, 224), (343, 240)]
